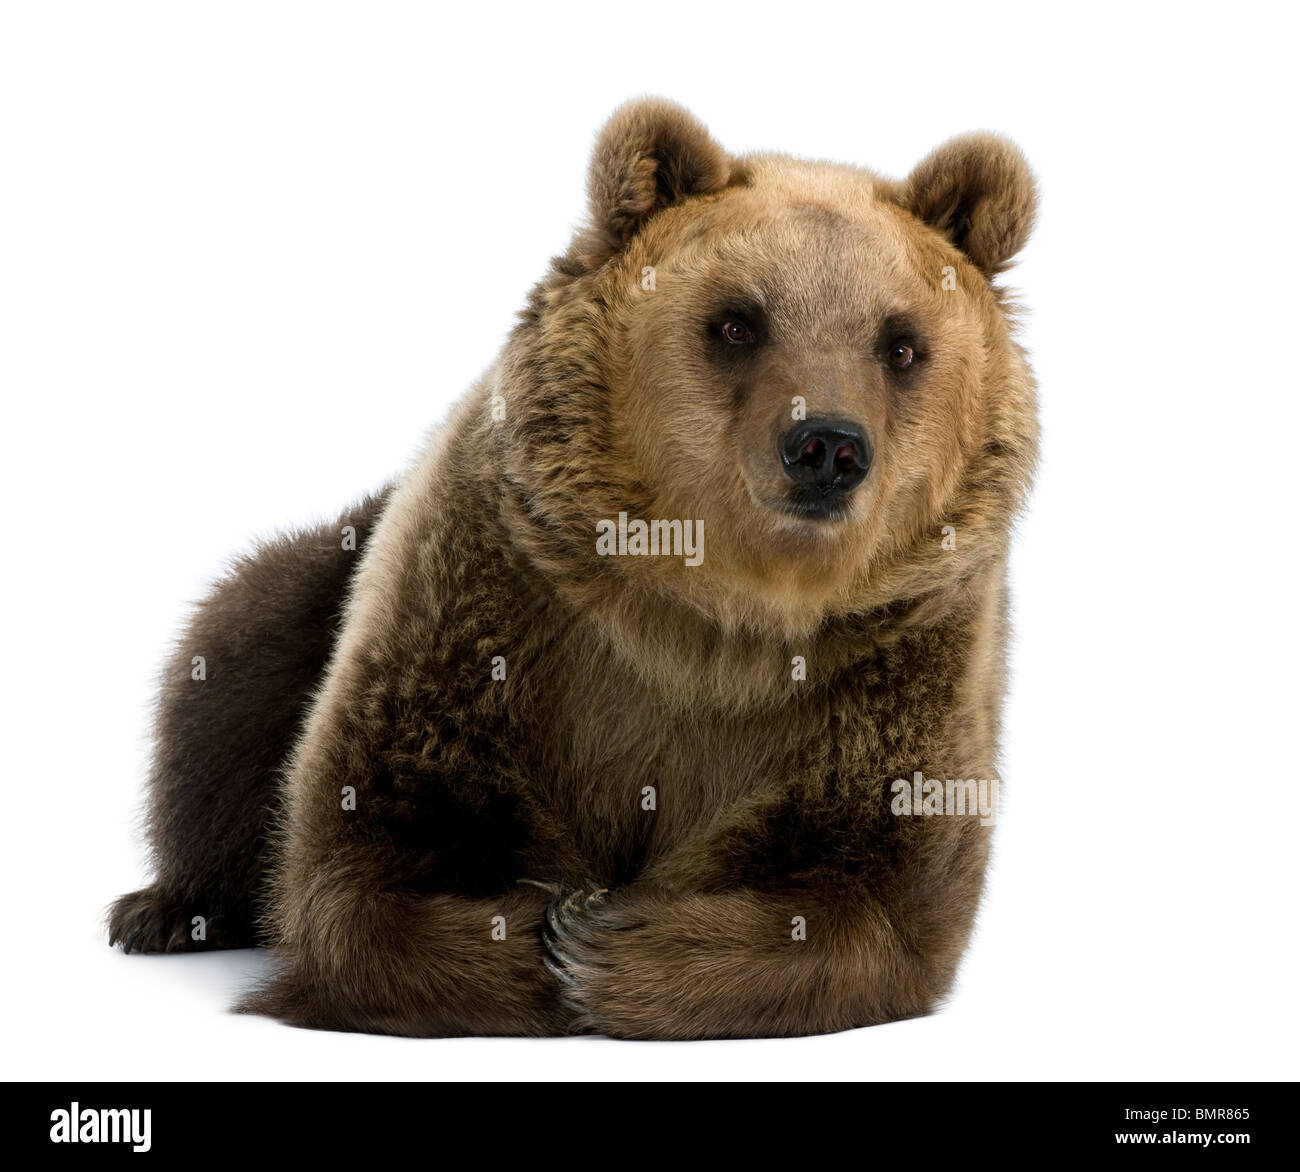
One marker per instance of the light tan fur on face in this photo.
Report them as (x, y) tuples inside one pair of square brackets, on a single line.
[(829, 251)]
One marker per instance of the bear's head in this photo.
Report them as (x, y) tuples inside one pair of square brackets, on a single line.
[(806, 361)]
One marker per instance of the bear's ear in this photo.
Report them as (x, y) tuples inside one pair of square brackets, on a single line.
[(651, 153), (978, 191)]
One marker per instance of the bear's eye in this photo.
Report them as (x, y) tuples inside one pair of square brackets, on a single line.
[(901, 356), (738, 332)]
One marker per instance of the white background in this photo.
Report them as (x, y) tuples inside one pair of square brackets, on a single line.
[(250, 251)]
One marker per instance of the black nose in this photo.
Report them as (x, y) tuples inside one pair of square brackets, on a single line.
[(826, 458)]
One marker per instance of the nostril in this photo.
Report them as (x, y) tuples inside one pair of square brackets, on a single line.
[(846, 458), (813, 454)]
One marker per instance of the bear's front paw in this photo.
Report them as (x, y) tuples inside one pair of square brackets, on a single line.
[(601, 948), (572, 934)]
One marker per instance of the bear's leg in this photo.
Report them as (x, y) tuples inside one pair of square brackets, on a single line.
[(417, 864), (418, 965), (708, 956), (232, 701), (413, 814)]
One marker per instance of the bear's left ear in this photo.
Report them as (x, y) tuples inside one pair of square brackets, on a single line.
[(651, 153), (978, 191)]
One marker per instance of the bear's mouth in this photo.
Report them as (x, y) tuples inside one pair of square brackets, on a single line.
[(816, 506)]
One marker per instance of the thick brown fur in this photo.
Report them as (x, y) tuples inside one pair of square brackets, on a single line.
[(524, 797)]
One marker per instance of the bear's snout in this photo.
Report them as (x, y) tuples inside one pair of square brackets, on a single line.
[(827, 459)]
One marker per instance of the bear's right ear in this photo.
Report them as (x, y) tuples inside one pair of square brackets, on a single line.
[(651, 154)]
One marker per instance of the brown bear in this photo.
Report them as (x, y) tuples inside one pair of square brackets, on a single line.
[(606, 716)]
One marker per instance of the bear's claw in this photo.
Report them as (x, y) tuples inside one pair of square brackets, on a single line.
[(565, 939)]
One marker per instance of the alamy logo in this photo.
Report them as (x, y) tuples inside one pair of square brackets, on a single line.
[(624, 538), (921, 798), (102, 1125)]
